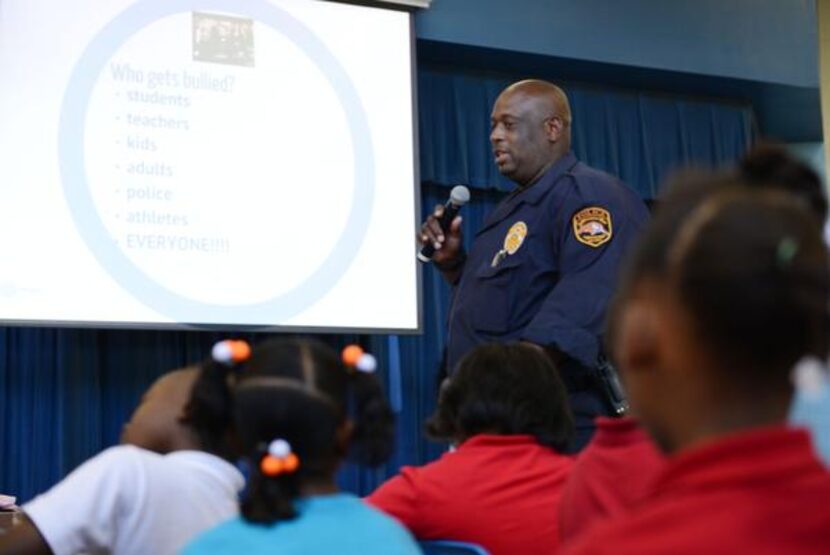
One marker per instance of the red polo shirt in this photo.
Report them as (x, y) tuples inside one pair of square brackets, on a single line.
[(612, 473), (501, 492), (761, 492)]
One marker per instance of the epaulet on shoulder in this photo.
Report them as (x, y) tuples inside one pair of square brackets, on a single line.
[(596, 186), (585, 172)]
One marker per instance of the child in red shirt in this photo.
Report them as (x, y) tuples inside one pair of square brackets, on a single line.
[(609, 476), (506, 409), (724, 294)]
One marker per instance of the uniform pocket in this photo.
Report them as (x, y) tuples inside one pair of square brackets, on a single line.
[(497, 287)]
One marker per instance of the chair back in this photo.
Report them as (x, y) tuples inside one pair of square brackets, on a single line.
[(446, 547)]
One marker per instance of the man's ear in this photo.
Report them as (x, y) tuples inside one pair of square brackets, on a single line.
[(637, 340), (554, 127)]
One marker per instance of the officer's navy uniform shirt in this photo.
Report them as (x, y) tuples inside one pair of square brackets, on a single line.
[(553, 289)]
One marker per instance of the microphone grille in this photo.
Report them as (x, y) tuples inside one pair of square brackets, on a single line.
[(460, 195)]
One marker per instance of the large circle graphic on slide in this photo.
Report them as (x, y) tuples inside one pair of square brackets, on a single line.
[(125, 271)]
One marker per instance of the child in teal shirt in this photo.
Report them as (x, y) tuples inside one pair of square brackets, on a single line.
[(297, 411)]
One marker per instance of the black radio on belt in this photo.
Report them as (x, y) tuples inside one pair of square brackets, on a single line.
[(612, 388)]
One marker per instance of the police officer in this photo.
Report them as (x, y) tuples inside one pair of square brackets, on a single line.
[(544, 264)]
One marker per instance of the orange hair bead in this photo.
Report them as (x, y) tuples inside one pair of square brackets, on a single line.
[(231, 351), (290, 463), (351, 355), (240, 350), (271, 466)]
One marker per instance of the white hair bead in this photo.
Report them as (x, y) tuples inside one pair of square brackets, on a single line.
[(222, 352), (367, 363), (279, 448)]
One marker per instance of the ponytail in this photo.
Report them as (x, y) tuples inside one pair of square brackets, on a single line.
[(268, 408), (274, 484), (209, 409), (270, 499), (373, 422)]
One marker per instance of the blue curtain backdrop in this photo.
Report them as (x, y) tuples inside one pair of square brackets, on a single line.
[(639, 137), (64, 393)]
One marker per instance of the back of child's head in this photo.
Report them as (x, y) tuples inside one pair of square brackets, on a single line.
[(749, 267), (156, 423), (769, 166), (766, 167), (752, 269), (505, 389), (297, 395), (210, 409)]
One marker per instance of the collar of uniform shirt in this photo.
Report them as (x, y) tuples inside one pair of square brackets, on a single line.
[(532, 193)]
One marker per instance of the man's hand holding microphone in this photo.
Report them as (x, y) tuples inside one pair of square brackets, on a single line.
[(441, 238)]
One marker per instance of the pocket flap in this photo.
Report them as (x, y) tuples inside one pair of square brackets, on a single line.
[(488, 270)]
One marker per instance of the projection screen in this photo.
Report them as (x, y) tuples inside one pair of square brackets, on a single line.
[(224, 163)]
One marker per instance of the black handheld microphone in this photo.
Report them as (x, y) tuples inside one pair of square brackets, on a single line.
[(459, 196)]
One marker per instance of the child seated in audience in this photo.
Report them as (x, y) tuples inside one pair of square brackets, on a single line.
[(770, 166), (295, 427), (723, 296), (614, 471), (151, 495), (610, 476), (505, 409)]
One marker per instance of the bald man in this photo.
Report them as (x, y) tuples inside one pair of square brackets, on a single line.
[(150, 495), (544, 264)]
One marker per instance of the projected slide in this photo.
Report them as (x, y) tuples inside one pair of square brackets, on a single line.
[(218, 162)]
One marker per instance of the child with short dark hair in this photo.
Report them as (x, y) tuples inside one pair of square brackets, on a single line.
[(297, 413), (166, 484), (506, 409)]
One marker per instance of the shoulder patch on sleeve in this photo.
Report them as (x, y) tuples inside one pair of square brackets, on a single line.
[(592, 226)]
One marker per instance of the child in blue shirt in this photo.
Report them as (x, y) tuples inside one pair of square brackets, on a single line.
[(297, 412)]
